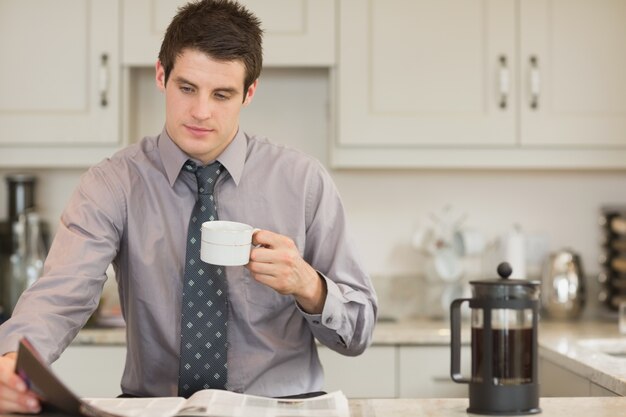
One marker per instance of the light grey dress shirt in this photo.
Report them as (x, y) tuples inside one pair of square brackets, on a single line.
[(133, 210)]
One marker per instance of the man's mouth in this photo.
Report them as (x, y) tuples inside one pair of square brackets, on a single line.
[(198, 130)]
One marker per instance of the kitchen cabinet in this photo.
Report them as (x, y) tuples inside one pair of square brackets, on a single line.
[(59, 98), (599, 391), (382, 371), (480, 84), (395, 371), (372, 374), (556, 381), (297, 32), (424, 372), (92, 370)]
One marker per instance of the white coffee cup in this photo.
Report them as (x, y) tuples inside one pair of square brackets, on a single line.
[(226, 243)]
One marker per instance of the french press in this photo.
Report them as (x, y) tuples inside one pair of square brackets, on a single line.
[(504, 316)]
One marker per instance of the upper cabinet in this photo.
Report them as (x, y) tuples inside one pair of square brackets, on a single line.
[(481, 83), (416, 83), (296, 32), (59, 98), (573, 80)]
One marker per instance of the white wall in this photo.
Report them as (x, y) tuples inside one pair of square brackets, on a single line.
[(386, 206)]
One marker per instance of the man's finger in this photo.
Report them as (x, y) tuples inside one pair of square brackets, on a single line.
[(13, 401)]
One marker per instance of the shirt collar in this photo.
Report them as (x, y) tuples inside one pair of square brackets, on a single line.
[(172, 156), (232, 158)]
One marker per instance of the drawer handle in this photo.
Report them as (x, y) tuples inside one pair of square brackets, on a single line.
[(503, 82), (104, 80), (535, 82)]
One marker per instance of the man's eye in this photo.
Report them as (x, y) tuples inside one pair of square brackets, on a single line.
[(220, 96), (186, 89)]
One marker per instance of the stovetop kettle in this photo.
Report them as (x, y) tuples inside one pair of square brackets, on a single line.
[(563, 292)]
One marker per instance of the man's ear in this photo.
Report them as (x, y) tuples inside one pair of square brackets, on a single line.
[(250, 92), (160, 76)]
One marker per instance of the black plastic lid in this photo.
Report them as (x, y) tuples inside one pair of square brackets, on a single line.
[(504, 287)]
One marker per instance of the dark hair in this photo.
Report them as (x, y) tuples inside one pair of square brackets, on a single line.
[(222, 29)]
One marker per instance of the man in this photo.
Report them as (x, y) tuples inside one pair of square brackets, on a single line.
[(133, 210)]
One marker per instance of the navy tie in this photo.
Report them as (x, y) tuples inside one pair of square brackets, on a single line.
[(203, 343)]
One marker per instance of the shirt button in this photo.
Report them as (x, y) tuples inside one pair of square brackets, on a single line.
[(316, 322)]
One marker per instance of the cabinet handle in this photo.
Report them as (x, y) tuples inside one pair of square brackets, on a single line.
[(504, 81), (104, 80), (535, 82)]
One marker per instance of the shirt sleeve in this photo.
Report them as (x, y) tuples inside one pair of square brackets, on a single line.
[(347, 320), (52, 311)]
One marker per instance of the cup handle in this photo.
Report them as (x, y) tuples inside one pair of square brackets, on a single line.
[(253, 232)]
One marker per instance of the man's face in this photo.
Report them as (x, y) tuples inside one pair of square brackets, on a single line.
[(203, 99)]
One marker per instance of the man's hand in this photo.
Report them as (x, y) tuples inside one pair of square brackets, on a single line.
[(14, 396), (278, 264)]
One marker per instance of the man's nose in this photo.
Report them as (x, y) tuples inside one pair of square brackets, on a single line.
[(202, 108)]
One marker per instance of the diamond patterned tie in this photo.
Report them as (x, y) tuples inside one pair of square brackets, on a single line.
[(204, 312)]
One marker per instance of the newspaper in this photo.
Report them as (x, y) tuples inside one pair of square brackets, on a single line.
[(218, 403)]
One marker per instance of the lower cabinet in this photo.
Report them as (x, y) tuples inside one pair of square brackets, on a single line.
[(425, 372), (382, 371), (96, 371), (596, 390), (92, 370), (395, 371), (373, 374), (556, 381)]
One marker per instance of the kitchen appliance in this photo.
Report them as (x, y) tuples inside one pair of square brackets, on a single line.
[(23, 242), (563, 289), (504, 317), (21, 194)]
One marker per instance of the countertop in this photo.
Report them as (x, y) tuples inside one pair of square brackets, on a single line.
[(559, 342), (452, 407)]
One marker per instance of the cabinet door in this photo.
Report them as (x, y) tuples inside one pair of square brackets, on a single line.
[(598, 391), (573, 62), (426, 73), (92, 371), (58, 78), (424, 372), (556, 381), (297, 32), (369, 375)]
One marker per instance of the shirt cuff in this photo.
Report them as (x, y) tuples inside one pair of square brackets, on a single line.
[(333, 306)]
